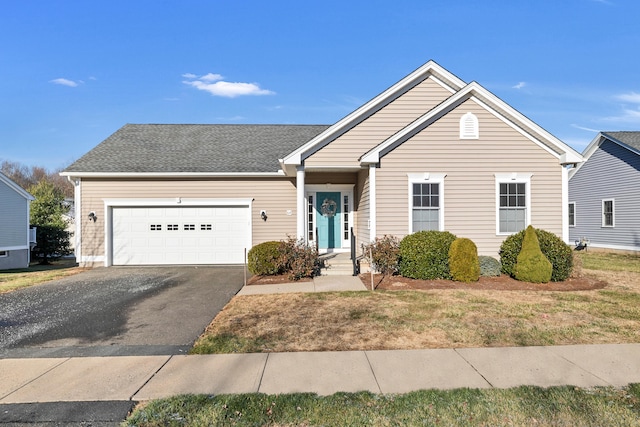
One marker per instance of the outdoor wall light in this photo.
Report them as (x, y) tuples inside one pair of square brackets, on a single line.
[(263, 215), (92, 216)]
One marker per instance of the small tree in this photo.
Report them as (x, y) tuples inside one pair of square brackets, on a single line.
[(46, 214), (532, 265)]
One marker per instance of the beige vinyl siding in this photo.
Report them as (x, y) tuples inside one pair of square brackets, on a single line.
[(276, 196), (346, 150), (470, 185), (362, 210)]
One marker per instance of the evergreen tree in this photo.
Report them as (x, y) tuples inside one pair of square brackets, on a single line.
[(47, 215)]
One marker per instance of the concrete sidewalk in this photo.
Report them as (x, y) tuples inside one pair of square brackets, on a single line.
[(140, 378)]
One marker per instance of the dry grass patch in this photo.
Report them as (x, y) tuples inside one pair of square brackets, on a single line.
[(36, 274), (422, 319)]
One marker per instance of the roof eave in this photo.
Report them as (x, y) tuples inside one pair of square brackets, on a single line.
[(280, 173)]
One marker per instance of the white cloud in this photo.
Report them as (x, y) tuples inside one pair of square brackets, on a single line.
[(584, 128), (629, 97), (519, 85), (64, 82), (627, 116), (216, 86)]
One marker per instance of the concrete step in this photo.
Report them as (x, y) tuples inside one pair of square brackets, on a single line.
[(336, 265)]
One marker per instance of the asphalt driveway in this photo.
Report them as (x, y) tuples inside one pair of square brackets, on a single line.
[(115, 311)]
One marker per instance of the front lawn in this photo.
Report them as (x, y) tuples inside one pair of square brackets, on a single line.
[(438, 318), (522, 406)]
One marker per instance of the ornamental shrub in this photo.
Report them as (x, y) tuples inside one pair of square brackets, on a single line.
[(298, 259), (531, 264), (489, 266), (556, 251), (383, 254), (463, 260), (264, 259), (425, 255)]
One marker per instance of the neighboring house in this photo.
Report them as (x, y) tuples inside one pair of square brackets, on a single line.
[(430, 152), (16, 238), (604, 193)]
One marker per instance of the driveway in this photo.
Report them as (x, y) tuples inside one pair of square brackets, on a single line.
[(115, 311)]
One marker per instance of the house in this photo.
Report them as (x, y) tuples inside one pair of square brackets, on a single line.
[(604, 195), (430, 152), (16, 238)]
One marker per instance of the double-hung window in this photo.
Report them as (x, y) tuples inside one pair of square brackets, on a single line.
[(426, 192), (513, 195), (572, 214), (608, 213)]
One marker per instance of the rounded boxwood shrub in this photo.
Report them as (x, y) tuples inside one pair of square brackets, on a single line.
[(264, 259), (489, 266), (531, 264), (463, 260), (425, 255), (553, 248)]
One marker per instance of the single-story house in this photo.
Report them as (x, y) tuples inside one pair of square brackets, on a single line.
[(429, 152), (16, 236), (604, 195)]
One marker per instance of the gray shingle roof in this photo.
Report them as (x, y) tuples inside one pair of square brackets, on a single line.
[(151, 148), (631, 138)]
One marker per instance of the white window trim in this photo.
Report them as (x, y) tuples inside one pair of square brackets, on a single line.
[(613, 213), (506, 178), (4, 254), (426, 178), (575, 216), (464, 131)]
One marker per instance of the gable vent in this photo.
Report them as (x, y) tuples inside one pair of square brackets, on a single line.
[(469, 127)]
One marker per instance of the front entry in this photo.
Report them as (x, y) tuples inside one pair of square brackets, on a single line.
[(328, 220)]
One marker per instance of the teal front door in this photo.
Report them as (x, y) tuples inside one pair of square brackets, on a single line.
[(328, 220)]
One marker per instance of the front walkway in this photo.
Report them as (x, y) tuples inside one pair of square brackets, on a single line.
[(318, 284)]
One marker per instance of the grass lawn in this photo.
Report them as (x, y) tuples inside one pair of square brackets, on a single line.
[(36, 274), (522, 406), (437, 318)]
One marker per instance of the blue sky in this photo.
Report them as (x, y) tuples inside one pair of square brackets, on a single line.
[(73, 72)]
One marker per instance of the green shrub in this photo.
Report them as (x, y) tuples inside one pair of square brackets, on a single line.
[(531, 264), (264, 259), (383, 254), (556, 251), (463, 260), (425, 255), (298, 259), (489, 266)]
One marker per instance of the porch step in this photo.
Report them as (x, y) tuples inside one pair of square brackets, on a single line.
[(336, 265)]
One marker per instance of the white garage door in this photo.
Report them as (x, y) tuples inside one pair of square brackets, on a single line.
[(180, 235)]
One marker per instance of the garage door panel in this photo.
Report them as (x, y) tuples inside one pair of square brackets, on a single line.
[(180, 235)]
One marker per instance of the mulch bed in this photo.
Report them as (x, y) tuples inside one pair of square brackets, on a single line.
[(501, 283)]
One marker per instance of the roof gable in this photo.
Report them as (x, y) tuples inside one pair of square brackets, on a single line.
[(157, 150), (430, 69), (490, 102), (629, 140), (15, 187)]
